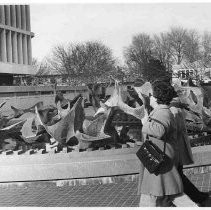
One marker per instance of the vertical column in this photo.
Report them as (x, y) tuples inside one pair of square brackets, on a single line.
[(2, 15), (3, 46), (23, 17), (28, 22), (13, 15), (18, 16), (14, 48), (25, 57), (7, 15), (29, 48), (20, 50), (9, 46)]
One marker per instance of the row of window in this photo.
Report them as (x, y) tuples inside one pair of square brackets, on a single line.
[(185, 74), (17, 16), (15, 47)]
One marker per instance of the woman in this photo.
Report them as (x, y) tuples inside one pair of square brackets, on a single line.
[(161, 190)]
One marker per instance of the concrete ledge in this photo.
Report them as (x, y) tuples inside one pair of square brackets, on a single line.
[(80, 165), (73, 165)]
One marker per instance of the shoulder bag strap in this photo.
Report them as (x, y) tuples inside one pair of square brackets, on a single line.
[(164, 149)]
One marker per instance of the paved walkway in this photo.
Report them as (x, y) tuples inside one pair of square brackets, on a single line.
[(47, 194)]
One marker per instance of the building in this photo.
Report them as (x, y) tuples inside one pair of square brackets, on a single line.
[(15, 42), (183, 73)]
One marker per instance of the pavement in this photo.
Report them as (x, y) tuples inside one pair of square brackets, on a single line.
[(122, 193)]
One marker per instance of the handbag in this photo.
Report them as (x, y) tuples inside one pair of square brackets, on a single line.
[(151, 156)]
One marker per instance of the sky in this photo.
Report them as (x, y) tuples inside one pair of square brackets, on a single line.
[(114, 24)]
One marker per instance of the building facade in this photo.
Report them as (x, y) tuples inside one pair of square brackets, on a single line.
[(15, 42), (183, 73)]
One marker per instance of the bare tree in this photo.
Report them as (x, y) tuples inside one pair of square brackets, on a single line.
[(206, 48), (192, 46), (59, 62), (184, 47), (162, 50), (138, 53), (198, 54), (177, 41), (43, 69), (88, 60)]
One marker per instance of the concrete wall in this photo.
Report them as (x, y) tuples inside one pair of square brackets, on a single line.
[(30, 89), (87, 164), (24, 102), (24, 97), (11, 68)]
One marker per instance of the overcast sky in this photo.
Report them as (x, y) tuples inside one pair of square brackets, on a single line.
[(113, 24)]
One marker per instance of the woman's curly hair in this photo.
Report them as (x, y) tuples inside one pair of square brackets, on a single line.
[(163, 92)]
